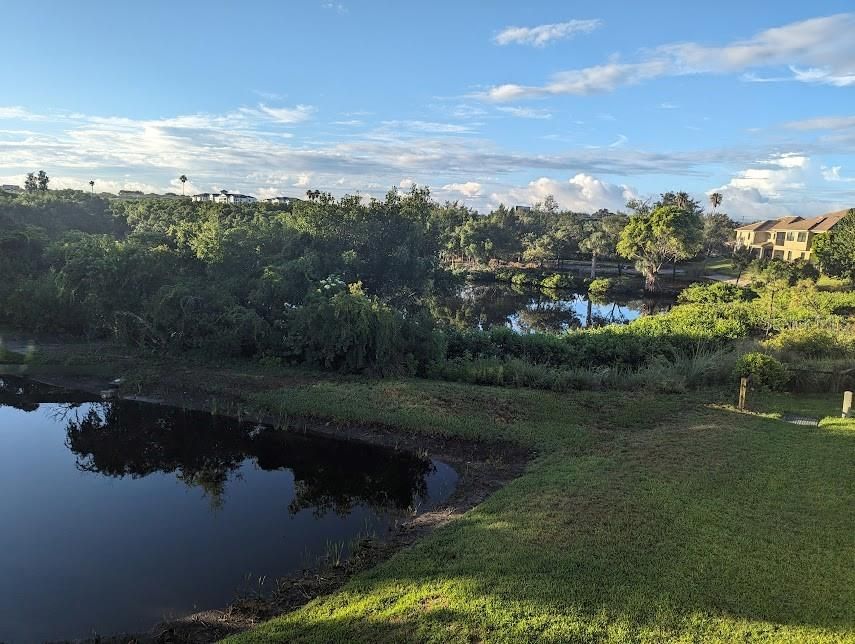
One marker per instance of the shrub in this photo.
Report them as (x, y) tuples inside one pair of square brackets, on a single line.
[(764, 371), (353, 333), (812, 343), (557, 280), (717, 293), (599, 288)]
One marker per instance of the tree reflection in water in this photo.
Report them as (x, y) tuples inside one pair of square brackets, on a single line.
[(131, 439)]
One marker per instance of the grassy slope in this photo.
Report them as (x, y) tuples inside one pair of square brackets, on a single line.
[(644, 518)]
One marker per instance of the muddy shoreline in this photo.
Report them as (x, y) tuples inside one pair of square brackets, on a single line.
[(482, 468)]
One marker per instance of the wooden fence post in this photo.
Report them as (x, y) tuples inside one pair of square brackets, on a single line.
[(743, 391), (847, 404)]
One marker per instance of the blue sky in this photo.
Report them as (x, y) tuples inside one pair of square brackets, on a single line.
[(485, 103)]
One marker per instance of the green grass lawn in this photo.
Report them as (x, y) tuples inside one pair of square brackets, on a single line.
[(642, 518)]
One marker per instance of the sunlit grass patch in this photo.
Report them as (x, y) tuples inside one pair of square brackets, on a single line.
[(643, 519)]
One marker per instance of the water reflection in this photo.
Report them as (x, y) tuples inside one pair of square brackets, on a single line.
[(118, 514), (525, 310), (124, 438)]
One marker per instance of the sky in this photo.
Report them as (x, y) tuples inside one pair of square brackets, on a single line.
[(485, 103)]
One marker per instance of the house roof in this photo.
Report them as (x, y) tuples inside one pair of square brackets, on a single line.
[(785, 223), (828, 222), (818, 224), (758, 226)]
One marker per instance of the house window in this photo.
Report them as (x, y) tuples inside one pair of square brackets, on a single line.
[(778, 254), (791, 236), (789, 255), (803, 237)]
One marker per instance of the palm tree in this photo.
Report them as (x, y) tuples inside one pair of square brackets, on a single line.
[(183, 180), (597, 243), (92, 185), (715, 199)]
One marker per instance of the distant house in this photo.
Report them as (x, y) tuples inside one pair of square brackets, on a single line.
[(287, 201), (521, 210), (787, 238), (224, 196), (10, 187)]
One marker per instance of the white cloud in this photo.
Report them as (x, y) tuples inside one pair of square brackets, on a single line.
[(431, 127), (772, 176), (468, 189), (541, 35), (334, 6), (589, 80), (406, 183), (824, 123), (295, 114), (668, 106), (833, 174), (18, 113), (818, 50), (581, 193), (525, 112), (823, 77), (772, 187), (303, 181)]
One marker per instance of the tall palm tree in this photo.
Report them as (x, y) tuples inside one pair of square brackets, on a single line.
[(715, 199), (183, 180), (92, 185)]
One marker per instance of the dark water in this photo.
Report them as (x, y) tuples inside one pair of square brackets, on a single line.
[(117, 515), (526, 310)]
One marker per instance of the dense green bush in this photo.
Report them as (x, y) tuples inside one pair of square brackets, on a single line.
[(558, 280), (599, 288), (341, 328), (813, 343), (716, 293), (764, 371)]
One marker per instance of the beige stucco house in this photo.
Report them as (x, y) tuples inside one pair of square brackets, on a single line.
[(788, 238)]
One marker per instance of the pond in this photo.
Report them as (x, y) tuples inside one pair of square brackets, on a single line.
[(117, 515), (527, 310)]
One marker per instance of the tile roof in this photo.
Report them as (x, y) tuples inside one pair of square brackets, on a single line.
[(785, 223), (818, 224), (758, 225)]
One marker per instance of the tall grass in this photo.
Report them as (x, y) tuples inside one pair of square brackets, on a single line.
[(704, 366)]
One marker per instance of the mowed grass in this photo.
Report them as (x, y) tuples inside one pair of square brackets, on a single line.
[(643, 518)]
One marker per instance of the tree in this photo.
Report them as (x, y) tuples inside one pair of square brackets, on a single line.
[(30, 183), (715, 199), (718, 231), (668, 232), (835, 250), (42, 179), (740, 259), (183, 180), (598, 243), (92, 185)]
